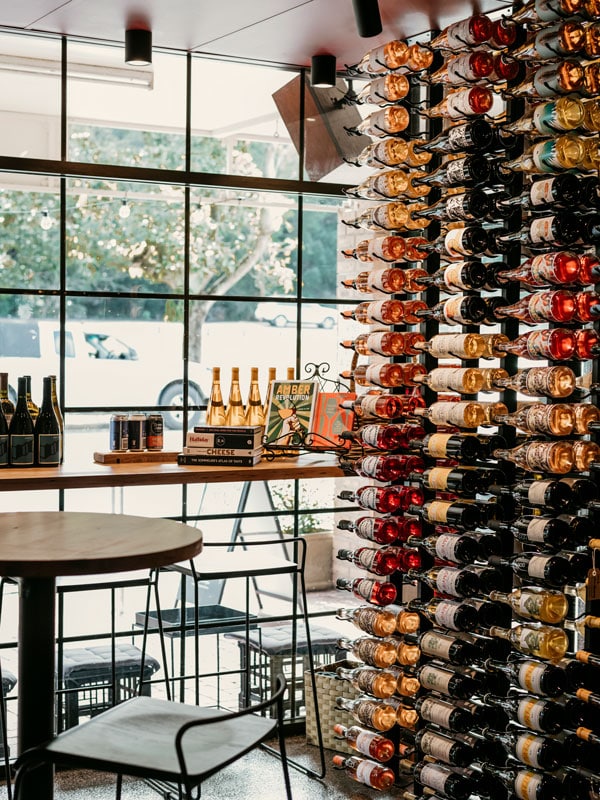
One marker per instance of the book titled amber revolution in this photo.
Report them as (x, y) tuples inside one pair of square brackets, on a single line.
[(290, 412)]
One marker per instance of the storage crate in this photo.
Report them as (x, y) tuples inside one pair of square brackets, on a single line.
[(209, 618), (271, 654), (329, 687)]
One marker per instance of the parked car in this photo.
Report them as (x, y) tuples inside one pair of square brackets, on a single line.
[(282, 314), (102, 369)]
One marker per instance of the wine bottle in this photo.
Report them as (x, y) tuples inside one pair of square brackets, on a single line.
[(465, 448), (541, 11), (47, 431), (550, 570), (389, 56), (562, 77), (20, 431), (439, 777), (455, 548), (377, 714), (539, 752), (4, 451), (546, 269), (466, 481), (235, 414), (535, 677), (555, 494), (374, 529), (7, 405), (368, 680), (457, 277), (458, 243), (456, 513), (440, 746), (215, 411), (470, 170), (543, 716), (451, 581), (556, 420), (386, 500), (386, 343), (383, 91), (465, 68), (446, 613), (389, 184), (383, 467), (370, 744), (392, 152), (373, 651), (463, 35), (33, 408), (254, 406), (563, 39), (556, 344), (381, 436), (59, 416), (459, 414), (384, 406), (535, 603), (386, 375), (459, 310), (551, 306), (458, 345), (539, 456), (386, 312), (465, 380), (562, 152), (389, 281), (527, 784), (377, 592), (583, 490), (379, 248), (363, 770), (388, 217), (378, 561), (565, 113), (382, 621), (436, 677), (466, 102), (385, 122)]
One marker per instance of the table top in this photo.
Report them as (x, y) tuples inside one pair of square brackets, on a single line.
[(44, 544), (313, 465)]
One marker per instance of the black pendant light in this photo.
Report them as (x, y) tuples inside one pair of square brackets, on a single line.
[(138, 47), (322, 71), (368, 19)]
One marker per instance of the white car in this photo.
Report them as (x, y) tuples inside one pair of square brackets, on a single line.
[(282, 314)]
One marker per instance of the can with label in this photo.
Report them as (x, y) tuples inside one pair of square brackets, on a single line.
[(119, 432), (136, 427), (154, 432)]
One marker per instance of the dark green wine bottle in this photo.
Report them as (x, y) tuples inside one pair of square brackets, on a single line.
[(3, 439), (20, 432), (47, 431)]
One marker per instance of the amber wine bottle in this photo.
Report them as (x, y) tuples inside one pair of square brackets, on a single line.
[(377, 714)]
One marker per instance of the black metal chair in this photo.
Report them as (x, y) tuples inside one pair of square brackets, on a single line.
[(163, 741)]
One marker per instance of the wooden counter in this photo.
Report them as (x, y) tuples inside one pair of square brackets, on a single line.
[(314, 465)]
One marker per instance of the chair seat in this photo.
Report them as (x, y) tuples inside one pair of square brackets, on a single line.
[(138, 738), (235, 564)]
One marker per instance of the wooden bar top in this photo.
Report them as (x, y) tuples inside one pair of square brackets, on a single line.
[(91, 476)]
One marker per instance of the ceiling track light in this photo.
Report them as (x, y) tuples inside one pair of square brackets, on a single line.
[(368, 19), (322, 71), (138, 47)]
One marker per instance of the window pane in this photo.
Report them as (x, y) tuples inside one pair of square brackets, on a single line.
[(320, 251), (236, 128)]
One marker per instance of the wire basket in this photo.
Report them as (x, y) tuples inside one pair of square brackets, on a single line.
[(329, 686)]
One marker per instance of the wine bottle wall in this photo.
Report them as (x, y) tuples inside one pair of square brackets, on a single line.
[(475, 267)]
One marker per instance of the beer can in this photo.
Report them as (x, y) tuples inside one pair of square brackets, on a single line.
[(136, 427), (154, 432), (119, 432)]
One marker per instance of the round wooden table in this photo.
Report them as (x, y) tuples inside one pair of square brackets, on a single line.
[(37, 547)]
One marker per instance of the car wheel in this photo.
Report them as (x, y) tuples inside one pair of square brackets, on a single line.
[(280, 321), (172, 395), (328, 323)]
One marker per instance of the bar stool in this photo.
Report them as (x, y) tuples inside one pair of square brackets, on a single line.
[(249, 560)]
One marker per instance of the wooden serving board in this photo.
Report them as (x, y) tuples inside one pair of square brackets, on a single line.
[(141, 457)]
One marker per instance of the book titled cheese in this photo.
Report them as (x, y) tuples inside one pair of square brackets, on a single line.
[(290, 412)]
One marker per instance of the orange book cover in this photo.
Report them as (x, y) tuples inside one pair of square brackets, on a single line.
[(330, 419)]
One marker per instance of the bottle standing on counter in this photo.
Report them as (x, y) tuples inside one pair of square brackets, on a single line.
[(235, 415), (20, 431), (215, 412), (3, 439), (47, 431), (6, 403), (59, 416), (254, 407), (33, 408)]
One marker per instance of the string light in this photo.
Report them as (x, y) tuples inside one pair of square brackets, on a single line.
[(124, 211), (46, 221)]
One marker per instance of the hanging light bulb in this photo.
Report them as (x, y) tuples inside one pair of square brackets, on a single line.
[(124, 211), (46, 221)]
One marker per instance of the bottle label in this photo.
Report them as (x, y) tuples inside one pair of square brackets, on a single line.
[(538, 344), (445, 615), (536, 456), (376, 248), (436, 680), (364, 770), (365, 528), (538, 380), (364, 588), (369, 433), (446, 580), (442, 379), (453, 310), (4, 449), (366, 650), (449, 344), (437, 478), (453, 276), (447, 413), (546, 81), (459, 139), (363, 742), (376, 310), (529, 713), (540, 230), (366, 557), (457, 172), (445, 546), (437, 511), (545, 120), (375, 342), (376, 62), (366, 680), (527, 785), (49, 449), (369, 466), (453, 242), (547, 43), (437, 746), (437, 445), (368, 404), (540, 193), (530, 604), (456, 207), (435, 644), (528, 748), (368, 497), (365, 711), (530, 676), (366, 619), (377, 279), (530, 640), (435, 776), (543, 264), (436, 711), (544, 156), (537, 565), (536, 529), (459, 34), (21, 449), (459, 70), (536, 493)]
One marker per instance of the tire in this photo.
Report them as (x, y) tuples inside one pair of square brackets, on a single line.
[(327, 323), (172, 395), (280, 321)]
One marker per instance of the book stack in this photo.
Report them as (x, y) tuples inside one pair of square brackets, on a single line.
[(210, 445)]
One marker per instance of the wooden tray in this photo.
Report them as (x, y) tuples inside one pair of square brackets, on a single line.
[(141, 457)]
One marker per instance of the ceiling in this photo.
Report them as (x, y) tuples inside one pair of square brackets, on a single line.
[(285, 32)]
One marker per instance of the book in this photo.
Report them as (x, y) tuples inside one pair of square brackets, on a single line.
[(237, 438), (222, 451), (246, 430), (290, 412), (189, 460), (329, 420)]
